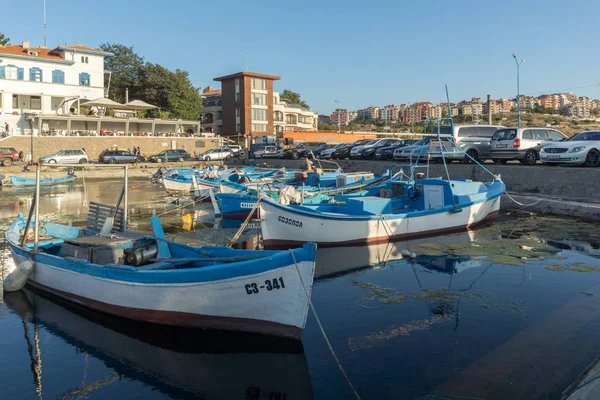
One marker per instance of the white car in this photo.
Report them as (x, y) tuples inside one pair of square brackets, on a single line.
[(267, 152), (216, 154), (583, 148), (326, 154), (66, 157)]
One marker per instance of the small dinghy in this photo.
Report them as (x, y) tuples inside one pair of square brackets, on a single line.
[(17, 181)]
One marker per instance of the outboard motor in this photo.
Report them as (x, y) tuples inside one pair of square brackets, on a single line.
[(70, 172), (141, 255)]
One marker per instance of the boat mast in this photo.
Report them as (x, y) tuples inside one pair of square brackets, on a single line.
[(36, 200)]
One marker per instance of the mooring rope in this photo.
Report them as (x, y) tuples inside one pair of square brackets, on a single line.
[(245, 223), (521, 204), (312, 307)]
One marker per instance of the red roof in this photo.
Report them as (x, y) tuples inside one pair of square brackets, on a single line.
[(17, 50), (216, 92), (84, 48), (43, 52)]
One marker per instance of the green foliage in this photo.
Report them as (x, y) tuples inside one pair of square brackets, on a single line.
[(4, 39), (125, 67), (538, 109), (596, 112), (327, 127), (171, 91), (292, 98)]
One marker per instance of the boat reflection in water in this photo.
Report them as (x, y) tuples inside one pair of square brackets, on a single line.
[(176, 362)]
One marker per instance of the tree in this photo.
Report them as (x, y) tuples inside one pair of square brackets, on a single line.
[(124, 67), (292, 98), (327, 127), (4, 39), (171, 91)]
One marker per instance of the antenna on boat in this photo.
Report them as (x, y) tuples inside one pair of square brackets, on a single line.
[(44, 24)]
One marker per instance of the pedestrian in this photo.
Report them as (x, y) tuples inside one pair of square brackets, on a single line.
[(139, 151), (134, 150), (6, 128)]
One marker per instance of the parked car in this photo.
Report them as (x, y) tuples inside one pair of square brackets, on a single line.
[(170, 155), (421, 149), (8, 155), (322, 147), (343, 152), (326, 154), (583, 148), (266, 152), (66, 157), (119, 157), (473, 140), (523, 144), (216, 154), (302, 150), (235, 149), (356, 149), (387, 152), (368, 151)]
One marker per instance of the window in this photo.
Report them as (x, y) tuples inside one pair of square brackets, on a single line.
[(237, 89), (82, 59), (540, 134), (555, 135), (505, 134), (36, 103), (15, 101), (35, 74), (12, 72), (260, 128), (84, 79), (528, 134), (58, 76), (238, 128), (259, 84), (259, 114), (85, 60), (259, 99), (477, 131)]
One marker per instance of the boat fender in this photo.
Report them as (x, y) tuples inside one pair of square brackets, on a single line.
[(405, 253), (413, 193), (17, 279)]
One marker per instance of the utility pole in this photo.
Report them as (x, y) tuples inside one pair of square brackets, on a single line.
[(518, 91), (44, 23)]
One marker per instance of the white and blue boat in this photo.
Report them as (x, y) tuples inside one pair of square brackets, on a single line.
[(420, 208), (144, 277), (17, 181)]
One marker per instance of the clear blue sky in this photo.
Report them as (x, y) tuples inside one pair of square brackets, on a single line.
[(361, 53)]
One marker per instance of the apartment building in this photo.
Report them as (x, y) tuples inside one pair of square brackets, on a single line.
[(339, 117), (247, 104), (372, 113), (576, 110)]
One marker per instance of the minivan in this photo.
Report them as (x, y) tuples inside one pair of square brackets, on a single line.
[(473, 140), (522, 144)]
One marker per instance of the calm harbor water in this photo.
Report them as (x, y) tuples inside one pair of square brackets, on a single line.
[(494, 313)]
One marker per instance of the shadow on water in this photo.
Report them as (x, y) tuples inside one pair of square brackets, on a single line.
[(180, 363)]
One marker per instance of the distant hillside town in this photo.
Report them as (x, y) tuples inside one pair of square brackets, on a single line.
[(566, 104)]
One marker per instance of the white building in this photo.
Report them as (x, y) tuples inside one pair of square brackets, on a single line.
[(292, 117), (38, 80)]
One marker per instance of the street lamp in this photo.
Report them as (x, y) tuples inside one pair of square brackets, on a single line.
[(518, 95), (339, 116)]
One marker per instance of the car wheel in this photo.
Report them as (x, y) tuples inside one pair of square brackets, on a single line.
[(499, 161), (136, 160), (473, 155), (51, 161), (295, 155), (181, 159), (207, 158), (159, 160), (228, 157), (530, 158), (592, 159), (6, 162), (110, 161)]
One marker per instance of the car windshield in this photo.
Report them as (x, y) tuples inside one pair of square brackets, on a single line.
[(371, 142), (505, 134), (594, 135)]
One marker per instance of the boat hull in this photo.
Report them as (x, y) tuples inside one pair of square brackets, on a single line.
[(284, 225), (177, 186), (235, 205), (17, 181), (241, 303)]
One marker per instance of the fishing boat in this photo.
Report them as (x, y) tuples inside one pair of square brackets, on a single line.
[(17, 181), (149, 278), (413, 208), (240, 203)]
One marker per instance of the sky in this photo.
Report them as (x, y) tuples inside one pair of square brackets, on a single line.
[(361, 53)]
